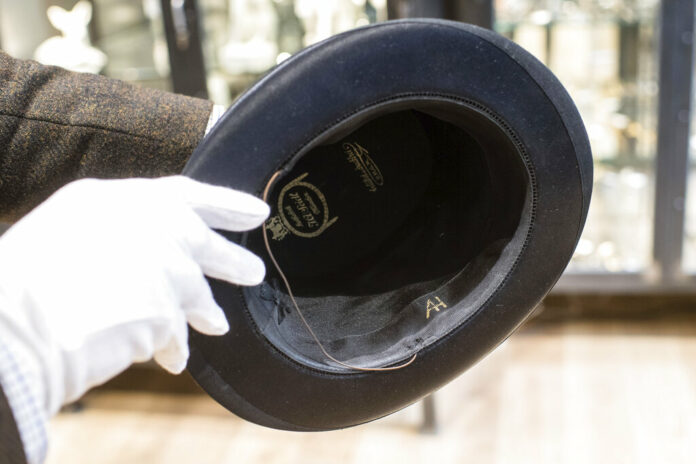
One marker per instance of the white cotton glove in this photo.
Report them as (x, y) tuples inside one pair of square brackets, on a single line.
[(109, 272)]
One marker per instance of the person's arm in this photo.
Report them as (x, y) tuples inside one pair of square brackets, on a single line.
[(23, 438), (105, 273), (11, 446), (57, 126)]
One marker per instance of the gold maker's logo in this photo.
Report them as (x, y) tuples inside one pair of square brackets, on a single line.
[(368, 169), (302, 211)]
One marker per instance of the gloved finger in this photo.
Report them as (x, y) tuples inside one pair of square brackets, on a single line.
[(202, 312), (220, 207), (221, 259), (173, 355)]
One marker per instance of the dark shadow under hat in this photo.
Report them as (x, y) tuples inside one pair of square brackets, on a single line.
[(434, 180)]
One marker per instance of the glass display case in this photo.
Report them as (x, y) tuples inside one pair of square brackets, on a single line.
[(242, 39), (611, 55), (605, 54), (119, 38)]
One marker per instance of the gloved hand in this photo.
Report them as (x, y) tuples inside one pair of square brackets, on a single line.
[(109, 272)]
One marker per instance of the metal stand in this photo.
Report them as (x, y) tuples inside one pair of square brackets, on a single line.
[(674, 116), (182, 29), (478, 12), (429, 425)]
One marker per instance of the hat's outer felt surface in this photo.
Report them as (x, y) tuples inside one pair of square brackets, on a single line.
[(293, 107)]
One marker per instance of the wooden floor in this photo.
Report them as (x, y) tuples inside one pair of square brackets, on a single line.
[(571, 392)]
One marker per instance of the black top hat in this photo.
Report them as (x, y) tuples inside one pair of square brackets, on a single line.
[(434, 180)]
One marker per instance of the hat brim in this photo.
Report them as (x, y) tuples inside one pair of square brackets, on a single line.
[(344, 80)]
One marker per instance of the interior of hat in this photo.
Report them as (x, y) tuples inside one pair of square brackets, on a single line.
[(392, 231)]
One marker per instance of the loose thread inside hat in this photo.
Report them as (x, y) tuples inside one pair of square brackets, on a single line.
[(299, 312)]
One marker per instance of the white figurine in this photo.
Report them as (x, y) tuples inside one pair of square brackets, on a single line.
[(73, 49)]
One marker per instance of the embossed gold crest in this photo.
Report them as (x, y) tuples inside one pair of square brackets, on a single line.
[(303, 209), (277, 228)]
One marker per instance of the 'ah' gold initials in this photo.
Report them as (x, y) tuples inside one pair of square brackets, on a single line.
[(439, 304)]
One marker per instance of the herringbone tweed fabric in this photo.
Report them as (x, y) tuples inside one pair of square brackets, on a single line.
[(57, 126)]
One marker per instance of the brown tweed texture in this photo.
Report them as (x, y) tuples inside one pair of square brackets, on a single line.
[(11, 447), (57, 126)]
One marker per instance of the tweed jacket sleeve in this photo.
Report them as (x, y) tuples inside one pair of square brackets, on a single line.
[(57, 126)]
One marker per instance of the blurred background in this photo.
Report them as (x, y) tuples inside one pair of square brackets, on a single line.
[(606, 370)]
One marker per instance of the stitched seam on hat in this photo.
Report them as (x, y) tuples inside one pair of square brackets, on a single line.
[(542, 89), (326, 374), (495, 117), (84, 126), (534, 190)]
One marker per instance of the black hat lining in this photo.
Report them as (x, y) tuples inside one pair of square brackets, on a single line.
[(429, 274)]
